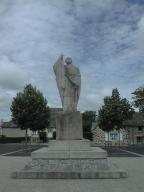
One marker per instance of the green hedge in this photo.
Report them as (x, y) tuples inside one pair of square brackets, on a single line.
[(4, 139), (43, 136), (54, 135), (88, 135)]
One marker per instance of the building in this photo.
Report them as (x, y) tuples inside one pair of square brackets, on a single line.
[(1, 121), (131, 134), (114, 137), (135, 129), (52, 125), (98, 134), (9, 129)]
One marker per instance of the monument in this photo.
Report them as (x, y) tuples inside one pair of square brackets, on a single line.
[(68, 78), (70, 156)]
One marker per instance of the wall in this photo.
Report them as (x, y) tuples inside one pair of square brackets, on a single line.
[(14, 132)]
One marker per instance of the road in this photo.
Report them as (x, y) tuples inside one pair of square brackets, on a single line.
[(20, 150), (6, 148), (127, 151)]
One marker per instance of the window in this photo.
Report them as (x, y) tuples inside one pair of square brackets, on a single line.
[(49, 130), (113, 136), (140, 128), (139, 139)]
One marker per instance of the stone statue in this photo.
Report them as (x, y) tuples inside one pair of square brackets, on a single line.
[(68, 82)]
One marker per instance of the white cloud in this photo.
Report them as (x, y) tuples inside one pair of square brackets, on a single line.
[(86, 8), (104, 38), (140, 33), (12, 77)]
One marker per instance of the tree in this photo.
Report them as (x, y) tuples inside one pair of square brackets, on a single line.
[(138, 98), (88, 117), (114, 111), (105, 116), (30, 110)]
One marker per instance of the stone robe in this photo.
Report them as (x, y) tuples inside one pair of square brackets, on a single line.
[(68, 80)]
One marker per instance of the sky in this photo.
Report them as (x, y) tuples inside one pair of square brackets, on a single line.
[(105, 39)]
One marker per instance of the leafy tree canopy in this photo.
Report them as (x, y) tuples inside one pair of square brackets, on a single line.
[(114, 111), (30, 110), (138, 98), (88, 117)]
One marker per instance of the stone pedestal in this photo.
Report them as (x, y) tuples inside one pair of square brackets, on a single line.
[(70, 159), (69, 126), (69, 156), (73, 149)]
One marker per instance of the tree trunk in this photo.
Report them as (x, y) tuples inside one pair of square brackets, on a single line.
[(119, 139), (108, 140), (26, 137), (133, 136)]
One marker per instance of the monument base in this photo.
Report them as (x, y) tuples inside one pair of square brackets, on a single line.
[(69, 125), (70, 159)]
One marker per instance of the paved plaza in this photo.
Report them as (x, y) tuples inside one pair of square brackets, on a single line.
[(134, 183), (20, 150)]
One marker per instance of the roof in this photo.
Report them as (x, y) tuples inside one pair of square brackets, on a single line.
[(9, 124), (137, 120), (53, 113), (55, 109)]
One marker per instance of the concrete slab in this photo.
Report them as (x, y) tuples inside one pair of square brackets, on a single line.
[(66, 164), (69, 175), (82, 144), (134, 183), (92, 153)]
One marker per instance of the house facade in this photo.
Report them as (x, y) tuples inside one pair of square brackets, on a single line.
[(131, 134), (114, 137), (135, 129), (9, 129), (52, 125)]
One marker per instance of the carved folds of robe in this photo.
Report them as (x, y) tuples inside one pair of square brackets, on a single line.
[(68, 82)]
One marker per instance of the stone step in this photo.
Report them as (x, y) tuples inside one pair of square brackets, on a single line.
[(69, 175), (92, 153)]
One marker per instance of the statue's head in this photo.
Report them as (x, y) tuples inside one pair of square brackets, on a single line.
[(68, 60)]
